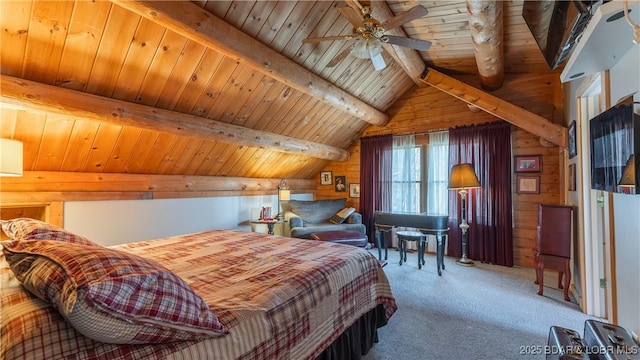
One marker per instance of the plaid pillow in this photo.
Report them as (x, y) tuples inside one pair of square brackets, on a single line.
[(342, 215), (32, 229), (110, 295)]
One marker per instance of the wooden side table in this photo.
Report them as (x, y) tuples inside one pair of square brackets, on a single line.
[(270, 223)]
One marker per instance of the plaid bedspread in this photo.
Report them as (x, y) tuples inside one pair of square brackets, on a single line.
[(280, 298)]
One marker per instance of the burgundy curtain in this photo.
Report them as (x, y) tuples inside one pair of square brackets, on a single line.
[(375, 178), (489, 213)]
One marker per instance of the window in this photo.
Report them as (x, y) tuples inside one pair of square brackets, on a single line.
[(420, 174)]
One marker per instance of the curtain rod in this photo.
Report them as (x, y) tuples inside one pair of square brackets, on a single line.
[(423, 132)]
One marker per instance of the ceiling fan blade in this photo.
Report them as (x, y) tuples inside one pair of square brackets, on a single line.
[(353, 16), (327, 38), (378, 62), (339, 57), (422, 45), (415, 12)]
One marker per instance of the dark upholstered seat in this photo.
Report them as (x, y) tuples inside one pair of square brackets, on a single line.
[(347, 237)]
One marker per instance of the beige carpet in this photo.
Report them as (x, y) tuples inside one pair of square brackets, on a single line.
[(481, 312)]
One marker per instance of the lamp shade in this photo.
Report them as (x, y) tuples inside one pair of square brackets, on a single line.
[(463, 177), (10, 157), (628, 178), (285, 194)]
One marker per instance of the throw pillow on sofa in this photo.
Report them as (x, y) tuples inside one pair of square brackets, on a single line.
[(318, 211), (342, 215)]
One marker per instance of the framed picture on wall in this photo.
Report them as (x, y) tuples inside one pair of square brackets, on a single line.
[(572, 140), (326, 178), (354, 190), (528, 184), (527, 163), (341, 183)]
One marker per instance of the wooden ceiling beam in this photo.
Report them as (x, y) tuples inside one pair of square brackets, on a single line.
[(486, 26), (196, 24), (43, 98), (409, 59), (504, 110)]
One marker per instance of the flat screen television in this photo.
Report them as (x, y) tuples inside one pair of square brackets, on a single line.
[(556, 26), (615, 136)]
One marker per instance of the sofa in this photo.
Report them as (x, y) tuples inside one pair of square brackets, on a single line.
[(311, 217)]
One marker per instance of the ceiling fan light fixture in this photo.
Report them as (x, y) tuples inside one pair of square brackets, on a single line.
[(378, 62), (366, 48)]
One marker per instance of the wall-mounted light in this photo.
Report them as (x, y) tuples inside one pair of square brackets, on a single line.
[(10, 157)]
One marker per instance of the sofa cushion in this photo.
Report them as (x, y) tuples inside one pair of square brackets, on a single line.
[(342, 215), (318, 211)]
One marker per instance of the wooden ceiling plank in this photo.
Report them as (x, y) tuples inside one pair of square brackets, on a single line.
[(275, 21), (188, 153), (40, 97), (102, 147), (47, 34), (15, 19), (55, 139), (118, 32), (240, 95), (274, 88), (122, 150), (238, 12), (211, 154), (258, 16), (221, 85), (194, 23), (142, 50), (513, 114), (200, 154), (197, 95), (222, 161), (174, 152), (165, 60), (294, 48), (144, 144), (82, 136), (190, 56), (30, 130), (258, 94), (81, 46)]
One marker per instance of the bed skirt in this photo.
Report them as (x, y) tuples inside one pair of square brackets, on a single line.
[(358, 339)]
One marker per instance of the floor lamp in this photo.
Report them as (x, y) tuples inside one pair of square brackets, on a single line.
[(284, 194), (463, 177)]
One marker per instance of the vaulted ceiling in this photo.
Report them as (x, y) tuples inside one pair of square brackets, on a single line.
[(228, 88)]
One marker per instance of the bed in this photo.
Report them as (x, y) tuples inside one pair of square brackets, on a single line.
[(265, 297)]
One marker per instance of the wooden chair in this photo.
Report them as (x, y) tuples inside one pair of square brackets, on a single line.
[(553, 244)]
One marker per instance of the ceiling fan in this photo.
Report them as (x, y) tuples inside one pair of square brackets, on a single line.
[(369, 34)]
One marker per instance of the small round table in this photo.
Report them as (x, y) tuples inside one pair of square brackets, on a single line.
[(420, 238), (271, 223)]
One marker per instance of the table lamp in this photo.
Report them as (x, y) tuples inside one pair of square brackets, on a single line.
[(284, 194)]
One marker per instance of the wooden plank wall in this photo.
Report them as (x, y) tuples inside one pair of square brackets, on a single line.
[(525, 206), (427, 109), (350, 169)]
